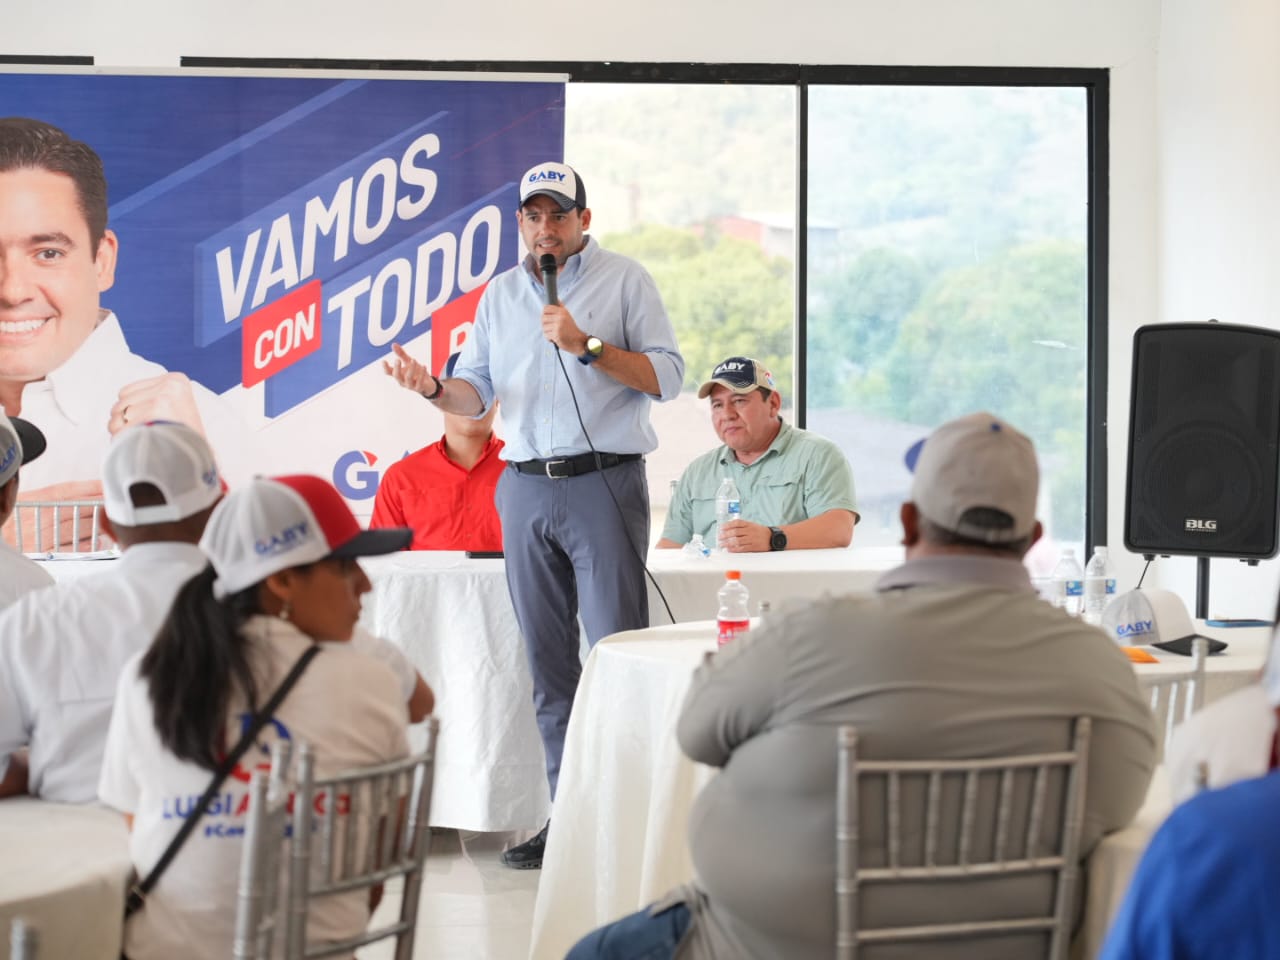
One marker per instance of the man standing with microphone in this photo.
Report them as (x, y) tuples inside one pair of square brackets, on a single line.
[(575, 385)]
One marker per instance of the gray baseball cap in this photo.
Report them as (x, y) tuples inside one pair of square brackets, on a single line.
[(976, 462)]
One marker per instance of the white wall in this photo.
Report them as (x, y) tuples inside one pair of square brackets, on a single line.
[(1189, 163), (1218, 108), (1116, 33)]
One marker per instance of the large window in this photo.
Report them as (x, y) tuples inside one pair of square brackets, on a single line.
[(945, 267), (947, 273), (698, 183)]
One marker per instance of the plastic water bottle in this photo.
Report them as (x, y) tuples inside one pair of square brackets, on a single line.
[(1099, 586), (728, 506), (1068, 586), (734, 615), (696, 547)]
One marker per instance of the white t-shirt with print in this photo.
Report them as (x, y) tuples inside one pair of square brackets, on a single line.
[(346, 705)]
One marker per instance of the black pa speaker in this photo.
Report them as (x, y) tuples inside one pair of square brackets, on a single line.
[(1204, 441)]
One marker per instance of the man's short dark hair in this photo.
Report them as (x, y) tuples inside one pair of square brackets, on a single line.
[(977, 516), (34, 144)]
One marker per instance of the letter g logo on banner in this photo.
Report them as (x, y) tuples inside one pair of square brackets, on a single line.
[(354, 483)]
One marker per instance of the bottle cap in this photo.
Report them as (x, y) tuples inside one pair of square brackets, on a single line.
[(733, 574)]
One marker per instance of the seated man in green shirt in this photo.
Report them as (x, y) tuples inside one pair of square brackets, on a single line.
[(796, 487)]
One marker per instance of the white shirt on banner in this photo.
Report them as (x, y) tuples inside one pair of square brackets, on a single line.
[(72, 405)]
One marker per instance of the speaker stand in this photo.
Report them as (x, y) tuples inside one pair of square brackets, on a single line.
[(1202, 588)]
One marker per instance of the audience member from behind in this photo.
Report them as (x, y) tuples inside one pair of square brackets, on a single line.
[(796, 487), (62, 649), (282, 576), (444, 492), (953, 656), (20, 443), (1236, 737)]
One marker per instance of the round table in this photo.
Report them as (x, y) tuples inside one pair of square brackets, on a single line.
[(65, 869)]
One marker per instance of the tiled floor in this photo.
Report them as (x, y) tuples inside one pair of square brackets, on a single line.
[(472, 907)]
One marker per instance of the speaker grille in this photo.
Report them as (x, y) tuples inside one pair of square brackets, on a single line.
[(1204, 441)]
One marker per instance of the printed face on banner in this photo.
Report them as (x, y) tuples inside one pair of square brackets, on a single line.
[(276, 235), (50, 274)]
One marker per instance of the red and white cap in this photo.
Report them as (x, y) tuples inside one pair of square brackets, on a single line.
[(274, 523), (171, 457)]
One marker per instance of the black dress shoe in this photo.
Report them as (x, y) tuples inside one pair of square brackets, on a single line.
[(527, 855)]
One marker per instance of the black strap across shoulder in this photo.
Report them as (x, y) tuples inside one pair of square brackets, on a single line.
[(138, 891)]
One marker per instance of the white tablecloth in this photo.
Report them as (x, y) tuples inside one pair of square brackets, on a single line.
[(690, 584), (626, 789), (1111, 867), (451, 615), (63, 869)]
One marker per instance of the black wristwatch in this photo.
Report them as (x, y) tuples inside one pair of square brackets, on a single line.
[(777, 539), (437, 391)]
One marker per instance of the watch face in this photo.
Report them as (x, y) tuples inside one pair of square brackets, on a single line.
[(594, 346), (777, 539)]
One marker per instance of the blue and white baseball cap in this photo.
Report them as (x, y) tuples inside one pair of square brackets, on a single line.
[(739, 374), (20, 442), (1156, 618), (559, 181)]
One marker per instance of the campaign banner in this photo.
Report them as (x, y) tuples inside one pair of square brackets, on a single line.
[(278, 232)]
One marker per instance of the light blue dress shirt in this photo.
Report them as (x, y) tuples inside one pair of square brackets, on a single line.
[(611, 297)]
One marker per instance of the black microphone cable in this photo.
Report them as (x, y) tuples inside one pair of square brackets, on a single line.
[(547, 264)]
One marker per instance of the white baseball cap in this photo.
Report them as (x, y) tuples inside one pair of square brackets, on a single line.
[(1155, 617), (976, 462), (171, 457), (275, 523), (558, 181), (20, 443)]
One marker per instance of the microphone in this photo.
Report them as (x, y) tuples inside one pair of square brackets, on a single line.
[(547, 264)]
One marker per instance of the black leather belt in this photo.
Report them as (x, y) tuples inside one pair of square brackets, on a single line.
[(559, 469)]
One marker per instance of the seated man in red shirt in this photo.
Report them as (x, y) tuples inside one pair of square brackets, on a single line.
[(444, 492)]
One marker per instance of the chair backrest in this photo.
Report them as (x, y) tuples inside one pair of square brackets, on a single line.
[(1175, 696), (364, 827), (24, 942), (71, 526), (1000, 812), (258, 895)]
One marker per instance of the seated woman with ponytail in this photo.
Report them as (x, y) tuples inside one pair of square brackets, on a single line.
[(282, 577)]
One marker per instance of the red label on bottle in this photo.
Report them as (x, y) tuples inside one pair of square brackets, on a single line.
[(730, 629)]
